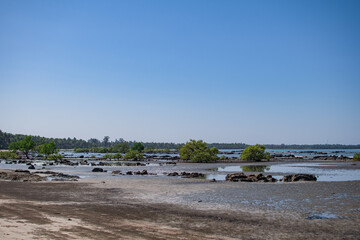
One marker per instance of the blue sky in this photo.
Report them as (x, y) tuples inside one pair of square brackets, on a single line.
[(221, 71)]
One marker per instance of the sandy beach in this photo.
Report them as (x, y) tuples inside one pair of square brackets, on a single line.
[(160, 207)]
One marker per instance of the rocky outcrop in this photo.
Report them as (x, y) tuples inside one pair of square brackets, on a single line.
[(56, 176), (20, 176), (299, 177), (241, 177)]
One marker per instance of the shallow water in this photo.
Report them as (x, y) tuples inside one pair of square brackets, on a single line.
[(322, 174), (237, 153), (323, 171)]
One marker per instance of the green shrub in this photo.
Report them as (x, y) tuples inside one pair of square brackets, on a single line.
[(48, 149), (198, 151), (134, 155), (25, 145), (9, 155), (357, 156), (107, 156), (117, 156), (255, 153), (137, 147)]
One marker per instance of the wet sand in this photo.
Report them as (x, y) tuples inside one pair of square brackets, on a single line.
[(158, 207)]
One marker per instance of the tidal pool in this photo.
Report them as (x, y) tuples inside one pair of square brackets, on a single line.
[(320, 170)]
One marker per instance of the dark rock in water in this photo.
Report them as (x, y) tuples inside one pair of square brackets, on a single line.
[(213, 180), (241, 177), (129, 173), (98, 170), (116, 172), (173, 174), (299, 177), (31, 167), (82, 156)]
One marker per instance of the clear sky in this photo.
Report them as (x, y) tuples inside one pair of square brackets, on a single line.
[(220, 71)]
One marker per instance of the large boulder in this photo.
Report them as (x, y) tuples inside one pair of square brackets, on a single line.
[(299, 177)]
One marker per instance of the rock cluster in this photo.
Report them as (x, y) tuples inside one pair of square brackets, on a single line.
[(143, 172), (187, 175), (299, 177), (241, 177)]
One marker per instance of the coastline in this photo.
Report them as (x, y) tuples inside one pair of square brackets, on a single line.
[(154, 207)]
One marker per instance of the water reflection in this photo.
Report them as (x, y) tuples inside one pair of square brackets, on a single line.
[(246, 168), (255, 168)]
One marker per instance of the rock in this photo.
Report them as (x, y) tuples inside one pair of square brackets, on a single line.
[(98, 170), (116, 172), (213, 180), (173, 174), (299, 177), (129, 173), (196, 175), (191, 175), (241, 177), (31, 167)]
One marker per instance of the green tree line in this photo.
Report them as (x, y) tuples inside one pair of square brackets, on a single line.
[(71, 143)]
